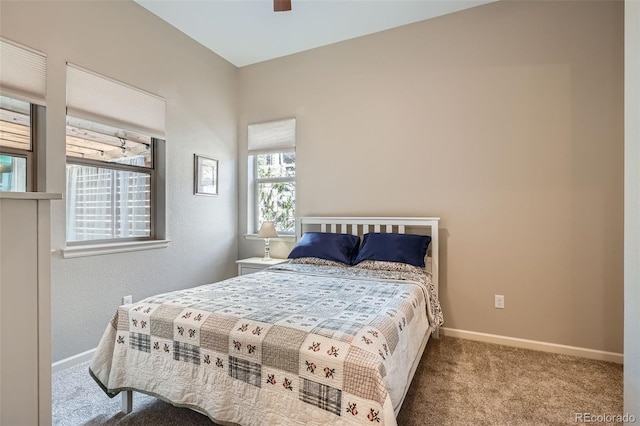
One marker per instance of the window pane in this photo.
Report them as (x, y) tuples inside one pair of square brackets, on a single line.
[(101, 143), (104, 203), (276, 202), (282, 164), (13, 173), (15, 123)]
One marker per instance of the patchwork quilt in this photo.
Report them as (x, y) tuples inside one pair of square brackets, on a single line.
[(295, 344)]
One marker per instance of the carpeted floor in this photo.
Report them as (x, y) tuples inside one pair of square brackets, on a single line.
[(458, 382)]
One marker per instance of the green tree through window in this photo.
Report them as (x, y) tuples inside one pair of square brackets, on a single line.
[(275, 186)]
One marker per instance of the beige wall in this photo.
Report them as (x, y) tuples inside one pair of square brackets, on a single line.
[(505, 120), (122, 40), (632, 211)]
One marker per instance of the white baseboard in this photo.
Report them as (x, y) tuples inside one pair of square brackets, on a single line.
[(535, 345), (72, 360)]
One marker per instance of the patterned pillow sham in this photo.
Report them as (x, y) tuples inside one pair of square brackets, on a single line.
[(318, 261), (381, 265)]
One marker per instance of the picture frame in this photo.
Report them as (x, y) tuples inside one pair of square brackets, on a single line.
[(205, 175)]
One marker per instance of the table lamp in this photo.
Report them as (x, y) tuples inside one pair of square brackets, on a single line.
[(267, 231)]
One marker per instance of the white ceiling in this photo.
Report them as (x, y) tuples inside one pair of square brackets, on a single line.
[(245, 32)]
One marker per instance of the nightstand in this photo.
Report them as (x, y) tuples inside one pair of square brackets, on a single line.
[(255, 264)]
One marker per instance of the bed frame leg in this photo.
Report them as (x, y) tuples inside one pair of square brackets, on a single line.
[(127, 402), (436, 333)]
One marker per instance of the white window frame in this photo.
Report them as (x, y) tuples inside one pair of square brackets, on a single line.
[(256, 195), (156, 240), (156, 144), (271, 137), (98, 99)]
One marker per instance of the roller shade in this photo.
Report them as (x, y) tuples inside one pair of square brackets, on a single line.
[(23, 72), (272, 136), (93, 97)]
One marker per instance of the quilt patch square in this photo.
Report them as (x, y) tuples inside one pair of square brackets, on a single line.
[(407, 309), (247, 371), (357, 317), (162, 321), (281, 348), (161, 347), (321, 360), (280, 381), (186, 352), (363, 375), (237, 310), (321, 396), (214, 333), (337, 329), (185, 300), (140, 317), (209, 305), (215, 360), (267, 315), (140, 342), (289, 307), (389, 331), (122, 319), (364, 410), (122, 341), (304, 323), (372, 340), (187, 325), (246, 339)]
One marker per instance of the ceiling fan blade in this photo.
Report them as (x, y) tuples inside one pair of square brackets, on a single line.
[(281, 5)]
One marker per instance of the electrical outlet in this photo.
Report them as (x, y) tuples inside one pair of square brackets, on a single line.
[(127, 300), (499, 301)]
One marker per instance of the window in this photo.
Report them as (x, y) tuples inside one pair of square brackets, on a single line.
[(115, 158), (16, 146), (109, 182), (272, 174), (22, 96)]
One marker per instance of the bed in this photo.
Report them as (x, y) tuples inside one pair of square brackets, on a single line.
[(333, 336)]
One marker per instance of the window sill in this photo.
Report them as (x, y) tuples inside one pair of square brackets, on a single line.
[(71, 252), (285, 238)]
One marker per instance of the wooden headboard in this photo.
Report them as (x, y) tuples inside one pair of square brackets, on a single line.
[(362, 225)]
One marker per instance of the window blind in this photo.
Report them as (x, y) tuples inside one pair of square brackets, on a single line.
[(23, 72), (272, 136), (93, 97)]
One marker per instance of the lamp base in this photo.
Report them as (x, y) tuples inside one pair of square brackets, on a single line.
[(266, 257)]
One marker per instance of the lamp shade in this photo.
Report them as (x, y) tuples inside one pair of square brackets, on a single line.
[(267, 230)]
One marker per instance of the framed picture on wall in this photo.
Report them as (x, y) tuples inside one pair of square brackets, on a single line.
[(205, 175)]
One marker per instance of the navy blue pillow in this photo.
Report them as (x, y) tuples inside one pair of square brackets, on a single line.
[(337, 247), (404, 248)]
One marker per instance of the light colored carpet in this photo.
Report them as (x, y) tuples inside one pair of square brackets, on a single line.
[(458, 382), (473, 383)]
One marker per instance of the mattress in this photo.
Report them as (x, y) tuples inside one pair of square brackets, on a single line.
[(311, 342)]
